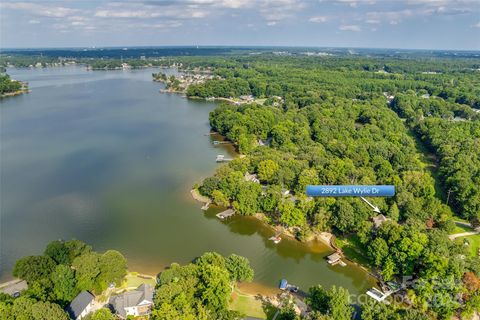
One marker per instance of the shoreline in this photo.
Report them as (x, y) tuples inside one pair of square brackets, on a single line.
[(14, 93), (323, 237)]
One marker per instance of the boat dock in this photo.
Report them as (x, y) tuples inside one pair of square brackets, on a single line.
[(335, 259), (221, 158), (206, 205), (379, 295), (225, 214), (216, 142)]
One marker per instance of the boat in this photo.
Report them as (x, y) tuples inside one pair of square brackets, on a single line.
[(283, 284)]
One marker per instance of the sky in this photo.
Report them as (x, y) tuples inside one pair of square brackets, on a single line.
[(410, 24)]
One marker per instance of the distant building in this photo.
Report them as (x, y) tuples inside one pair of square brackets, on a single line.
[(80, 306), (379, 220), (135, 303), (246, 98)]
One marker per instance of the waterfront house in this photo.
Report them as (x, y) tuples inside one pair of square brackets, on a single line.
[(379, 220), (135, 303), (80, 306)]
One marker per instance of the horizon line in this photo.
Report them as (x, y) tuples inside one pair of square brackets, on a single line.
[(230, 46)]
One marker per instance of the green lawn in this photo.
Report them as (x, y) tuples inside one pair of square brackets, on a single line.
[(474, 243), (353, 249), (247, 304), (133, 280), (461, 229)]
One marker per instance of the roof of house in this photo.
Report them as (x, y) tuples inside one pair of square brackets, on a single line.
[(76, 307), (131, 299), (378, 220)]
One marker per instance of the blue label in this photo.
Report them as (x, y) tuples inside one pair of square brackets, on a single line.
[(351, 191)]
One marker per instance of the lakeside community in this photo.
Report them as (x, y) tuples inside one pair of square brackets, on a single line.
[(135, 296)]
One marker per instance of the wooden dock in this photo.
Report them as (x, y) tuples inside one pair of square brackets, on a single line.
[(205, 206), (225, 214), (221, 158)]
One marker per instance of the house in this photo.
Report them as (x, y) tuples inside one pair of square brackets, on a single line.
[(133, 303), (80, 306), (379, 220)]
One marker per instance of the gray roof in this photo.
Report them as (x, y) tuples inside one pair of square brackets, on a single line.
[(76, 307), (133, 298)]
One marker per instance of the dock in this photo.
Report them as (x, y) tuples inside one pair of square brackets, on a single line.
[(335, 259), (221, 158), (378, 295), (205, 206), (225, 214), (216, 142)]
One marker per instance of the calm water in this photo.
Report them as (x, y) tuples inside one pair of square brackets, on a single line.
[(105, 158)]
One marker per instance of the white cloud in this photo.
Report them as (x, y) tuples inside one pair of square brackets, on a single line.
[(477, 25), (373, 21), (354, 28), (33, 21), (318, 19), (271, 23), (40, 9)]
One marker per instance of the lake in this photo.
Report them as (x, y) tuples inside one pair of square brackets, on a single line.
[(104, 157)]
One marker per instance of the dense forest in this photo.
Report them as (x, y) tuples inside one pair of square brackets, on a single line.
[(8, 85), (344, 121)]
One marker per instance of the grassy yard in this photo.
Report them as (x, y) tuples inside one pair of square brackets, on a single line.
[(133, 280), (461, 229), (246, 304), (474, 243), (353, 249)]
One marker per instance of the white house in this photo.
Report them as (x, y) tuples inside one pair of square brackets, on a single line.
[(80, 306)]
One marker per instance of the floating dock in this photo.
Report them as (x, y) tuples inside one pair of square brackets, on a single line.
[(335, 259), (221, 158), (225, 214)]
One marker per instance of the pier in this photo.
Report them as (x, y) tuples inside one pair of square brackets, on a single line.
[(225, 214), (221, 158)]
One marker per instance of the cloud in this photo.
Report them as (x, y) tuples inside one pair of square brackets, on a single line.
[(33, 21), (373, 21), (477, 25), (271, 23), (353, 28), (318, 19), (40, 9)]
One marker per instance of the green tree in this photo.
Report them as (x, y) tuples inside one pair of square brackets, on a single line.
[(64, 284), (267, 170), (87, 270), (101, 314), (339, 304), (113, 268), (239, 268), (33, 268)]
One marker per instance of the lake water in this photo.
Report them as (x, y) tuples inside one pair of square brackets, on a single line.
[(103, 157)]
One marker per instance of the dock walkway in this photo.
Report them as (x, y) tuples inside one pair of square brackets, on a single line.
[(225, 214)]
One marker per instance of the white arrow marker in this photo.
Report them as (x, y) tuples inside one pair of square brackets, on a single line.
[(375, 208)]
